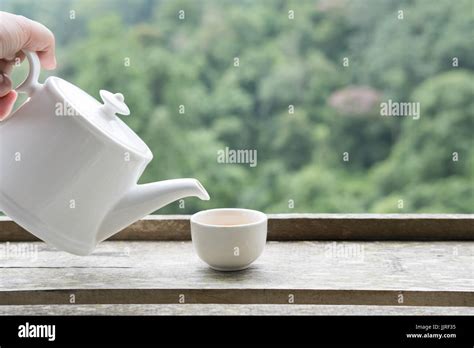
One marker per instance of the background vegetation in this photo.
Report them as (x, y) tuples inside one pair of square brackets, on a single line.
[(285, 62)]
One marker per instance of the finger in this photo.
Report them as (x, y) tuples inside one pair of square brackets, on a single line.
[(19, 57), (40, 39), (5, 85), (6, 104), (6, 67), (47, 59)]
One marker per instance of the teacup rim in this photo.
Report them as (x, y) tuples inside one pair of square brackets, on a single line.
[(262, 218)]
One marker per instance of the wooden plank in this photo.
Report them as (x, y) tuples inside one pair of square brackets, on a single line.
[(373, 227), (228, 309), (239, 296), (346, 273), (299, 227)]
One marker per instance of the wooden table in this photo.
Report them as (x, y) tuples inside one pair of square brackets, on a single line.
[(162, 277)]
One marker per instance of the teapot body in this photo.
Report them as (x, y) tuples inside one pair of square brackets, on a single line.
[(59, 177), (69, 166)]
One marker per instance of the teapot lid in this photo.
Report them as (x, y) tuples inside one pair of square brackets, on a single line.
[(101, 116)]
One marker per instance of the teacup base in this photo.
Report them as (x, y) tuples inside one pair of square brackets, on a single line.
[(230, 269)]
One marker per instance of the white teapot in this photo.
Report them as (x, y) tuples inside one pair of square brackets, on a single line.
[(69, 166)]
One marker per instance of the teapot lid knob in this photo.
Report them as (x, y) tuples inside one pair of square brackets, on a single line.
[(113, 103)]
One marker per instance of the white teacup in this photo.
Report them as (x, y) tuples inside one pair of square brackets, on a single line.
[(229, 239)]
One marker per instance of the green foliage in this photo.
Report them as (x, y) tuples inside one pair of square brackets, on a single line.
[(421, 164), (284, 62)]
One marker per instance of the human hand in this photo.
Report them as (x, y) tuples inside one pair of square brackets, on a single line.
[(17, 33)]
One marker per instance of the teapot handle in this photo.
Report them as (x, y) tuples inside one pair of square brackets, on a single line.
[(31, 82)]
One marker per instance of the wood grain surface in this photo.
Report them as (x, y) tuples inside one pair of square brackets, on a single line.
[(299, 273), (228, 309), (299, 227)]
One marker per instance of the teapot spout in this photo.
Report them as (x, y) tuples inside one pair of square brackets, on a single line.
[(144, 199)]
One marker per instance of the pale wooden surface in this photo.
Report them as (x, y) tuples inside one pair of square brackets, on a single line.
[(299, 227), (347, 273), (228, 309)]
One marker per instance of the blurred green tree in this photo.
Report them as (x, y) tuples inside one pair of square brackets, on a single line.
[(300, 81)]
